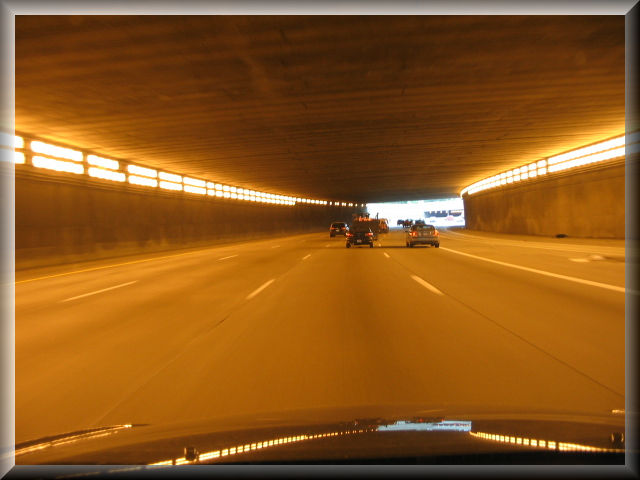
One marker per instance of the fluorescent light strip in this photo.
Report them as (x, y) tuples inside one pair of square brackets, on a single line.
[(55, 151), (18, 158), (138, 172), (575, 158), (106, 174), (194, 182), (597, 157), (142, 171), (198, 190), (57, 165), (143, 181), (170, 185), (170, 177), (103, 162), (581, 152)]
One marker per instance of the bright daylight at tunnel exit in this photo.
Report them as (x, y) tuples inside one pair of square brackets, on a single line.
[(318, 239)]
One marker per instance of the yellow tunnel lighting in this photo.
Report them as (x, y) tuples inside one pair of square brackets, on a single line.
[(18, 158), (198, 190), (211, 185), (219, 193), (578, 162), (55, 151), (18, 142), (581, 152), (103, 162), (106, 174), (225, 188), (145, 172), (218, 186), (194, 182), (142, 181), (57, 165), (170, 177), (170, 185)]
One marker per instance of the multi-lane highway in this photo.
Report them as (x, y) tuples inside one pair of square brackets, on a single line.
[(299, 322)]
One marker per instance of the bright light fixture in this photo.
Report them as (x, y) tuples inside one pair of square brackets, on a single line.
[(101, 162), (106, 174), (145, 172), (145, 182), (57, 165), (170, 177), (55, 151), (170, 185)]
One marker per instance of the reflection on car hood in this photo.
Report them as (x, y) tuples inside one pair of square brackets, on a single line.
[(326, 434)]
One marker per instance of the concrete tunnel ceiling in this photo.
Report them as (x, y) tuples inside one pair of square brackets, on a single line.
[(355, 108)]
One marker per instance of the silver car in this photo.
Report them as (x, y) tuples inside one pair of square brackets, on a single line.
[(422, 235)]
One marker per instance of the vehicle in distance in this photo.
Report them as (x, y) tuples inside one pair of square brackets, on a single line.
[(360, 234), (337, 228), (383, 225), (420, 234)]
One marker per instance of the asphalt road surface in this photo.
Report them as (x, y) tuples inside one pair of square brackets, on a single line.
[(299, 322)]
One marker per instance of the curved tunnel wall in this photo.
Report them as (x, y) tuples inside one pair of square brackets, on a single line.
[(60, 221), (589, 204)]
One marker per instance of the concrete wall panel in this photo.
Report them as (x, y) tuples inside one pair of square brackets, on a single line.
[(588, 204), (61, 221)]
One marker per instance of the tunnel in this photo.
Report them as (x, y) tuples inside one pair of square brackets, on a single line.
[(178, 186)]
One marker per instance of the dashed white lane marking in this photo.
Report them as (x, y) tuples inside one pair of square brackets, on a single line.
[(306, 256), (97, 291), (230, 256), (580, 260), (386, 254), (260, 288), (427, 285), (275, 246), (543, 272)]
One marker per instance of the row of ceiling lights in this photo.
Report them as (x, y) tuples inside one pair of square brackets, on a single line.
[(607, 150), (62, 159)]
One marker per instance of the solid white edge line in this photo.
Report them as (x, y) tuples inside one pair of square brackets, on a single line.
[(427, 285), (97, 291), (306, 256), (541, 272), (230, 256), (260, 288), (386, 254)]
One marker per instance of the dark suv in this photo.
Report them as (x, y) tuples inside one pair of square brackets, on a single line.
[(359, 235), (337, 228)]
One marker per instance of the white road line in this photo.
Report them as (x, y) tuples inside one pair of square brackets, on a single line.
[(306, 256), (230, 256), (275, 246), (386, 254), (542, 272), (573, 247), (259, 289), (97, 291), (580, 260), (427, 285)]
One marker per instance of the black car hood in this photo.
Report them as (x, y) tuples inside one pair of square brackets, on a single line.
[(330, 434)]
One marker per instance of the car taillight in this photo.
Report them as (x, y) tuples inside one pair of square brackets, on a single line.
[(435, 232), (414, 234), (369, 234), (349, 234)]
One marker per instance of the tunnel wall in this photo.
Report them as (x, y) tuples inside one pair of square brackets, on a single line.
[(61, 221), (589, 204)]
